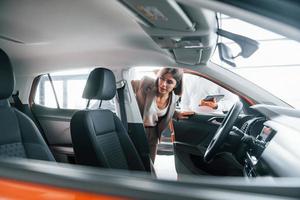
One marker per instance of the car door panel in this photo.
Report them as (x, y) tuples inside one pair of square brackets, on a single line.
[(197, 130), (192, 136), (55, 124)]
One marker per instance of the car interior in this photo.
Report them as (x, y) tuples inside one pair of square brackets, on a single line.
[(19, 136), (78, 141), (104, 144)]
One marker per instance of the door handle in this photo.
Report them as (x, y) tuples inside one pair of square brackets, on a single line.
[(216, 120)]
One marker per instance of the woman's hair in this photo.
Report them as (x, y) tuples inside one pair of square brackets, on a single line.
[(176, 74)]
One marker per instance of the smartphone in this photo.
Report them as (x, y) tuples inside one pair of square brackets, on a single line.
[(218, 97)]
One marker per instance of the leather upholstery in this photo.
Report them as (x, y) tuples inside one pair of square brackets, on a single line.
[(7, 81), (99, 139), (98, 136), (19, 137), (101, 85)]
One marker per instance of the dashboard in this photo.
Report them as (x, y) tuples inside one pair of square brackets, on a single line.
[(273, 142)]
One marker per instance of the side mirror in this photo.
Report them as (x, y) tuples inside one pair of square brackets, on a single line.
[(225, 54)]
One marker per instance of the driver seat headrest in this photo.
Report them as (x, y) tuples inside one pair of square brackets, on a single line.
[(7, 79), (101, 85)]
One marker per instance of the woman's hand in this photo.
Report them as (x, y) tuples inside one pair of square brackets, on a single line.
[(184, 115)]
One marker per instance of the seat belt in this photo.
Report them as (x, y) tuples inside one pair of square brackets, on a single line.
[(17, 102), (121, 86), (21, 107)]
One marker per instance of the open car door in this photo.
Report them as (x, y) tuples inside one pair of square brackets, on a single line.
[(193, 135)]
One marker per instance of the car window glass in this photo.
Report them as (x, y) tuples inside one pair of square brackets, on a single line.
[(137, 73), (274, 66), (68, 89), (44, 93), (197, 89)]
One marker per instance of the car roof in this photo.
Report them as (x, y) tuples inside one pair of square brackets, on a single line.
[(42, 36), (59, 34)]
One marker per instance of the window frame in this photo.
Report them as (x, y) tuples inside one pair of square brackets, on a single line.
[(65, 79)]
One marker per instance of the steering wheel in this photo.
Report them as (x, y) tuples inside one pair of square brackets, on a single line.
[(222, 131)]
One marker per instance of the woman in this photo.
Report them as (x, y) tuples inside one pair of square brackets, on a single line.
[(156, 100)]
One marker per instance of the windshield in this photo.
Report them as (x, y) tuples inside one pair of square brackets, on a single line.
[(275, 66)]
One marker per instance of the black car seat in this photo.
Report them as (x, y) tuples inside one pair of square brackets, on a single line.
[(19, 137), (99, 137)]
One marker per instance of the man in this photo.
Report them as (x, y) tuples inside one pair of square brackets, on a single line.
[(195, 91)]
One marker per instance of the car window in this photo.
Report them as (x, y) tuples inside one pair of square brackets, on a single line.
[(45, 94), (66, 93), (137, 73), (274, 66), (197, 89)]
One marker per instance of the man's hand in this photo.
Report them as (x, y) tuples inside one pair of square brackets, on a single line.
[(212, 104), (184, 115)]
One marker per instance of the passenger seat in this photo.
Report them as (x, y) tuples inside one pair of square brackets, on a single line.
[(98, 136), (19, 137)]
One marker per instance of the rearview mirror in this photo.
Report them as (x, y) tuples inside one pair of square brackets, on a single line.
[(225, 54), (248, 47)]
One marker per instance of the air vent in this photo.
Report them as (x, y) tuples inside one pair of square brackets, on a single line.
[(245, 127)]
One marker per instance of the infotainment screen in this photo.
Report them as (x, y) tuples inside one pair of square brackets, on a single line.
[(266, 134)]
